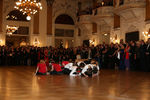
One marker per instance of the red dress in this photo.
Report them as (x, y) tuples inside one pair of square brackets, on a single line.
[(126, 61)]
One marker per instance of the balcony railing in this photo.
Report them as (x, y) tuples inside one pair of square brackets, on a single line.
[(122, 2), (85, 18), (105, 3), (105, 11), (88, 11)]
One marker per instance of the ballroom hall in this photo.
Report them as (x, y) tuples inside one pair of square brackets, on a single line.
[(74, 49)]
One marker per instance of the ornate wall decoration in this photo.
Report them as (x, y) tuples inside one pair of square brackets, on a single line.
[(65, 5), (7, 4), (132, 28)]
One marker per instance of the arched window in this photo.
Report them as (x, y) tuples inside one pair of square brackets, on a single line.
[(64, 19), (16, 15)]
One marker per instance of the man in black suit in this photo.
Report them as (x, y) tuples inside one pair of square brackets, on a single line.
[(143, 65), (148, 54)]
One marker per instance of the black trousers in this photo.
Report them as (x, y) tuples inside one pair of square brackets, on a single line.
[(88, 74), (38, 73), (66, 71), (56, 73)]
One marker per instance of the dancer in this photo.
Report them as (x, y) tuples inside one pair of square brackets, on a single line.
[(41, 68), (56, 69), (76, 71), (91, 70)]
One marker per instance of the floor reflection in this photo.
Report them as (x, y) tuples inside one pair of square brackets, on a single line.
[(19, 83)]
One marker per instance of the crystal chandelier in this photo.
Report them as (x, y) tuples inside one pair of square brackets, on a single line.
[(11, 29), (28, 7)]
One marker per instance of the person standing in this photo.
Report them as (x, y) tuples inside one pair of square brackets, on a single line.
[(143, 56), (126, 61), (133, 50), (111, 51), (121, 52), (148, 55), (137, 57)]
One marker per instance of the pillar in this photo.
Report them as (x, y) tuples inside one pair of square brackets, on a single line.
[(116, 17), (36, 23), (1, 16), (49, 16), (147, 10)]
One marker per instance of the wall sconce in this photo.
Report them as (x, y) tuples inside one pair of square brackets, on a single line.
[(105, 34), (36, 42), (11, 29), (1, 42), (92, 42), (114, 39), (146, 34)]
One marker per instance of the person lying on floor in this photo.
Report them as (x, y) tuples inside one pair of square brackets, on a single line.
[(76, 71), (65, 63), (56, 69), (41, 68), (91, 70), (69, 67), (78, 61)]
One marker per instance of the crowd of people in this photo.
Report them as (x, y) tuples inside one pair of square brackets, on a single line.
[(123, 56)]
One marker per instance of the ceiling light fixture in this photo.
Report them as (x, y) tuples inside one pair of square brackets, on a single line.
[(29, 7)]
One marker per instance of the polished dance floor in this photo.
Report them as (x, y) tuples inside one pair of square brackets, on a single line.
[(19, 83)]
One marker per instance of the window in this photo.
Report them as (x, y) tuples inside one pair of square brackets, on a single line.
[(22, 31), (64, 33), (64, 19), (16, 15)]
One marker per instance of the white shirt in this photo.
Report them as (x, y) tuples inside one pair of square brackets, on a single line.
[(78, 63), (148, 46), (69, 66), (87, 66), (73, 71)]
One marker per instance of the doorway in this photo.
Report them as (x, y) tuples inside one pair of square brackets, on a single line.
[(132, 36), (58, 43), (86, 43), (64, 31), (17, 41)]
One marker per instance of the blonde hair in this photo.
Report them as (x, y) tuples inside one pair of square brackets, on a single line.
[(94, 62), (42, 61)]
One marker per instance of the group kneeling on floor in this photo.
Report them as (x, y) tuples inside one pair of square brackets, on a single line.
[(84, 67)]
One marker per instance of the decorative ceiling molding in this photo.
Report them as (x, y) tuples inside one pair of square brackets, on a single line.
[(132, 28)]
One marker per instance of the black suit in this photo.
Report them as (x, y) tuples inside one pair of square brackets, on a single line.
[(148, 56), (143, 57)]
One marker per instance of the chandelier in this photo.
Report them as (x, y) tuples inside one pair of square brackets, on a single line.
[(11, 29), (28, 7), (146, 34), (114, 39)]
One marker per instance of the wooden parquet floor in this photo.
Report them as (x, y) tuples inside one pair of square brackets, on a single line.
[(19, 83)]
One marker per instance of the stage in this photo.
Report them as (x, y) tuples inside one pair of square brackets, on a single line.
[(19, 83)]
